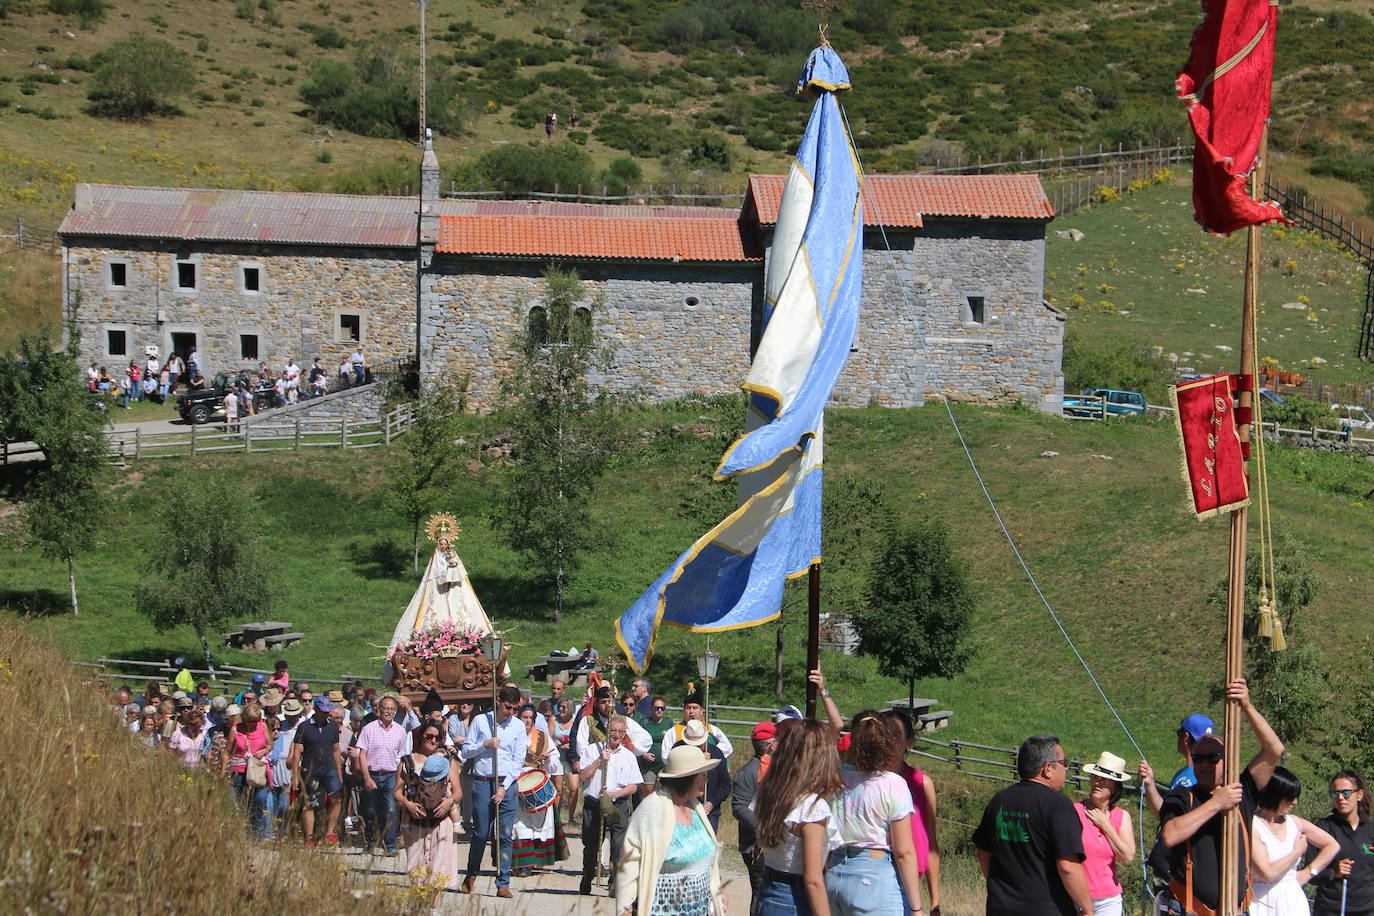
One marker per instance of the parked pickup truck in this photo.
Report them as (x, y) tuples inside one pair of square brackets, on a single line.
[(1117, 403), (206, 405)]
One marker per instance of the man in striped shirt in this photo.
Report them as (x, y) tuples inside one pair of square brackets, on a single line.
[(380, 744)]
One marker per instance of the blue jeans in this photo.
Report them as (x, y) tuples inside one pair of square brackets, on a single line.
[(258, 802), (379, 810), (863, 886), (278, 804), (482, 810), (782, 897)]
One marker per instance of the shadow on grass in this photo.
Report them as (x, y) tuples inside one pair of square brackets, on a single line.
[(35, 602), (382, 559), (524, 598)]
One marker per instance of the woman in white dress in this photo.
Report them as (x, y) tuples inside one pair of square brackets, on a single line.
[(1278, 842), (538, 836)]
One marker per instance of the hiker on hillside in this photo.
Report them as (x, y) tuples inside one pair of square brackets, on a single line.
[(1191, 816)]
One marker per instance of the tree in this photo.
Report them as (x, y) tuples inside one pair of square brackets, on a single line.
[(417, 471), (87, 12), (206, 568), (563, 428), (919, 603), (1291, 686), (139, 76), (43, 399)]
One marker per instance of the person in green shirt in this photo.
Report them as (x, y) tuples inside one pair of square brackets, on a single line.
[(656, 724)]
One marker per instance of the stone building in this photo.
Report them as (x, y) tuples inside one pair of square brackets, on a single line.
[(954, 261)]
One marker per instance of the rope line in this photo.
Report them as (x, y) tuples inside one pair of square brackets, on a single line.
[(932, 376)]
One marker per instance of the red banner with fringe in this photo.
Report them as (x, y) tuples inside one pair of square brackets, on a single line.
[(1212, 458), (1226, 86)]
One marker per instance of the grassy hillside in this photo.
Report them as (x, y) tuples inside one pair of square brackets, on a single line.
[(693, 89), (1102, 524), (1144, 272)]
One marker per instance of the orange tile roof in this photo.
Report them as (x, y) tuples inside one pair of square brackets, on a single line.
[(902, 200), (617, 237)]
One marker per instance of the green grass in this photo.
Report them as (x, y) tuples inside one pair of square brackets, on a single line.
[(1130, 276), (1125, 565)]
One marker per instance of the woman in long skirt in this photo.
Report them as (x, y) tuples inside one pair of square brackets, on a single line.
[(538, 835), (428, 835)]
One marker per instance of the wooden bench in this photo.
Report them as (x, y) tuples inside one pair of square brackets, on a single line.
[(928, 722), (256, 636), (284, 640)]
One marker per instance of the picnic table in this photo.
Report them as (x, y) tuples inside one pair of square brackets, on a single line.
[(567, 668), (259, 637), (921, 715)]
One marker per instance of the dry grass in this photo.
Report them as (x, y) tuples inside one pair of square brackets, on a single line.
[(92, 816), (30, 294)]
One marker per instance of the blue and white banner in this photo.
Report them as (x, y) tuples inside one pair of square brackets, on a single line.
[(733, 576)]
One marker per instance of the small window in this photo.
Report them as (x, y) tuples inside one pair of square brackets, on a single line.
[(116, 342), (186, 275), (350, 327), (119, 273), (539, 326), (977, 310), (252, 279), (582, 324), (248, 346)]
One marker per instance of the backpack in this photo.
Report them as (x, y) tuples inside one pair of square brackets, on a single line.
[(428, 795)]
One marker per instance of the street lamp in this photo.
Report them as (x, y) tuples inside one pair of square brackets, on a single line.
[(707, 663), (494, 647)]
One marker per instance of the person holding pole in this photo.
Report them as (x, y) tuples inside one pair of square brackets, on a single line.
[(495, 743), (1347, 887), (610, 777), (1191, 817)]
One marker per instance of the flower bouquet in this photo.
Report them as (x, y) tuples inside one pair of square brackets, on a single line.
[(440, 641)]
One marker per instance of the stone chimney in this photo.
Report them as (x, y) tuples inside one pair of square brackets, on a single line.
[(429, 201)]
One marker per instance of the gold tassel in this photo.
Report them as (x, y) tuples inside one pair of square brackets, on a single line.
[(1278, 643), (1266, 626)]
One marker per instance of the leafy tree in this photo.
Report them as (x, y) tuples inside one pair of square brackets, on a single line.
[(139, 76), (919, 603), (564, 431), (417, 472), (206, 568), (375, 93), (43, 398), (620, 174), (1114, 365), (516, 169), (1291, 686)]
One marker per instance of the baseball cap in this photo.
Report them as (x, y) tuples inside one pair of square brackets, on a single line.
[(787, 712), (259, 678), (323, 704), (1196, 726), (764, 731)]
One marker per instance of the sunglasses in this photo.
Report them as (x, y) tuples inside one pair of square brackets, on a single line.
[(1206, 758), (1342, 793), (1062, 761), (429, 737), (660, 708)]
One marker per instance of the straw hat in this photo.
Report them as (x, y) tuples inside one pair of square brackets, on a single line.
[(686, 760), (1108, 766), (694, 733)]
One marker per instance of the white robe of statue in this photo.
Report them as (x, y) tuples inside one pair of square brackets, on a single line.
[(445, 596)]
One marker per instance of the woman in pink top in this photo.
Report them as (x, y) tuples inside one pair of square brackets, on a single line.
[(186, 741), (249, 738), (1107, 834), (923, 800)]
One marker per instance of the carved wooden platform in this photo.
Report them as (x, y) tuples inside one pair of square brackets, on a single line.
[(455, 678)]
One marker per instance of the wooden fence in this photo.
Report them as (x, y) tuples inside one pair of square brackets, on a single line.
[(286, 434)]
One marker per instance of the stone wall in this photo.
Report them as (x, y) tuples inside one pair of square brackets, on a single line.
[(924, 286), (294, 313), (364, 403), (677, 329)]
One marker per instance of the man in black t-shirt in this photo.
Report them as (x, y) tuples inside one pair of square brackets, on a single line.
[(1030, 841), (317, 767), (1191, 817)]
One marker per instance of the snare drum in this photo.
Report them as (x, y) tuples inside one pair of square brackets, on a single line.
[(536, 790)]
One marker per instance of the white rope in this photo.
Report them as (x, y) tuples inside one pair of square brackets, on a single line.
[(932, 376)]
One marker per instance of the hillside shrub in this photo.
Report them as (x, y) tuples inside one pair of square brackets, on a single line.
[(517, 170), (87, 12), (375, 93), (138, 77), (620, 175), (1121, 365)]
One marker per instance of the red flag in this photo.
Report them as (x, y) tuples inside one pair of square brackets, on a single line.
[(1212, 457), (1226, 86)]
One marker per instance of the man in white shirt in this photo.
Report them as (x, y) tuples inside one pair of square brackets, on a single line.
[(496, 745), (606, 767), (359, 365), (638, 739), (694, 710)]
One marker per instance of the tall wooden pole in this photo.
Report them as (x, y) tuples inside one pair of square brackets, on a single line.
[(1231, 853), (813, 633)]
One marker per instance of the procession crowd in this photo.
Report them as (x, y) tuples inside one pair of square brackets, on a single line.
[(831, 818)]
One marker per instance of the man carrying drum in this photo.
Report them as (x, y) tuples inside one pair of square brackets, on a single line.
[(538, 833)]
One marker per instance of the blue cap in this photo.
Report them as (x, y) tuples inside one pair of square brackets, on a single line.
[(1196, 725), (323, 704), (435, 768), (259, 678)]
